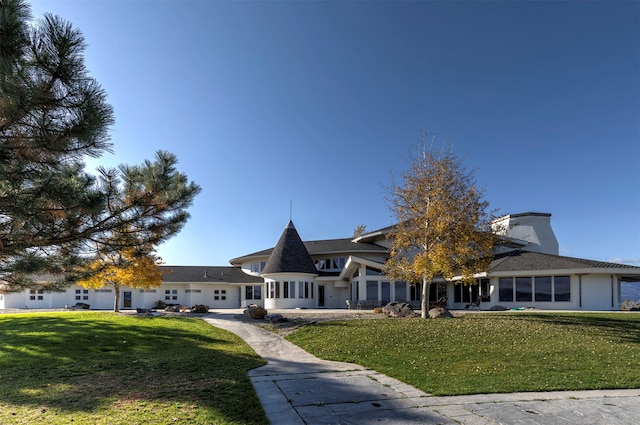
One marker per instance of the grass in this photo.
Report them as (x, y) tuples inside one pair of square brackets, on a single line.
[(104, 368), (489, 353)]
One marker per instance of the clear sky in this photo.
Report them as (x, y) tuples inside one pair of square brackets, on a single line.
[(320, 103)]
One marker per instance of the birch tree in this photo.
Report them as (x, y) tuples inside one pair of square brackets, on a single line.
[(443, 227)]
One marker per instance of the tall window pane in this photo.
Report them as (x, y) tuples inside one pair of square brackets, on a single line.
[(248, 292), (285, 289), (505, 289), (400, 290), (385, 287), (372, 290), (543, 288), (300, 289), (523, 289), (257, 292), (562, 288)]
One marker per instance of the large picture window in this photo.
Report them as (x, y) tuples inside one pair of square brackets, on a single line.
[(505, 289), (372, 290), (400, 290), (562, 288), (524, 289), (542, 286)]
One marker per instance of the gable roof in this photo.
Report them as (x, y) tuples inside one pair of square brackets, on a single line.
[(523, 261), (290, 255), (206, 274)]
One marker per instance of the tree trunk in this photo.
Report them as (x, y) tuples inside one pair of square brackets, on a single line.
[(116, 301), (425, 297)]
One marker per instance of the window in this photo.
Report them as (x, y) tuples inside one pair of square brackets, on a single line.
[(542, 286), (385, 288), (485, 290), (36, 294), (277, 289), (463, 293), (253, 292), (292, 289), (523, 289), (272, 290), (258, 266), (285, 289), (562, 288), (334, 264), (505, 289), (372, 290), (300, 289), (400, 290), (373, 272)]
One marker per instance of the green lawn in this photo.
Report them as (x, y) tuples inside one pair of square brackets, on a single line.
[(104, 368), (489, 353)]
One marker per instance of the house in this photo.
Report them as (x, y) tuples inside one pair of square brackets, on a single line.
[(339, 273)]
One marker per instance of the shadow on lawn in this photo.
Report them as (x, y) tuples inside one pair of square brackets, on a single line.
[(622, 327), (85, 362)]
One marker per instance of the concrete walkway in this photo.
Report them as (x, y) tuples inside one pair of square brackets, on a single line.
[(296, 387)]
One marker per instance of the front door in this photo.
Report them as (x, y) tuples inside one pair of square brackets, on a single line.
[(126, 299), (320, 295)]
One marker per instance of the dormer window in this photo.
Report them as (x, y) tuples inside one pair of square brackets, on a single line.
[(257, 267)]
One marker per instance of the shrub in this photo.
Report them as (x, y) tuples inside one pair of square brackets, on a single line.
[(160, 305)]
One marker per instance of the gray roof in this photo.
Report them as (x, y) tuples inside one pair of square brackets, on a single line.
[(206, 274), (520, 260), (290, 255), (328, 247)]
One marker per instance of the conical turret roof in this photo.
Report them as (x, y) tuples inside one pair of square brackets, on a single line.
[(290, 255)]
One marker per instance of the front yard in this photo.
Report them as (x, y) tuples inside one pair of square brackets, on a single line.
[(104, 368), (488, 353)]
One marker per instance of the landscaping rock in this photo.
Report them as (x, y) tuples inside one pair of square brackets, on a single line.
[(498, 308), (274, 318), (200, 308), (175, 308), (255, 313), (439, 313), (396, 309)]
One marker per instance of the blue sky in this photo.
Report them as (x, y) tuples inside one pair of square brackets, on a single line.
[(320, 103)]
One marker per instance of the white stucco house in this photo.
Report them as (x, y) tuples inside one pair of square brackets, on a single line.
[(336, 273)]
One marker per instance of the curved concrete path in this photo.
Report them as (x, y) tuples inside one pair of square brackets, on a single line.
[(296, 387)]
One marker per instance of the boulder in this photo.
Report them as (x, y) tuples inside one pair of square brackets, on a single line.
[(498, 308), (199, 308), (439, 312), (396, 309), (274, 318), (255, 312)]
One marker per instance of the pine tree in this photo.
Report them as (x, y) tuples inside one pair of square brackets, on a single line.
[(53, 114)]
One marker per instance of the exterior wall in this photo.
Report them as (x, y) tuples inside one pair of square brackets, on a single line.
[(534, 228), (335, 294), (599, 292), (274, 297)]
